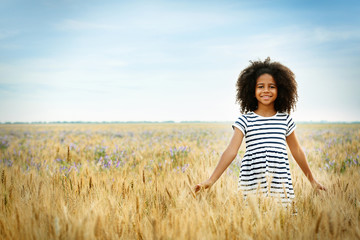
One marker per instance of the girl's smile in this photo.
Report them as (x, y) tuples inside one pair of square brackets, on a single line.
[(265, 90)]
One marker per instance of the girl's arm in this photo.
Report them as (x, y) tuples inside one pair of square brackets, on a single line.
[(226, 158), (300, 158)]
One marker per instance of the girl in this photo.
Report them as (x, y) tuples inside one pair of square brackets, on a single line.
[(266, 92)]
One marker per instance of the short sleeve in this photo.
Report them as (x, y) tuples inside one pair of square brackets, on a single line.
[(241, 124), (290, 125)]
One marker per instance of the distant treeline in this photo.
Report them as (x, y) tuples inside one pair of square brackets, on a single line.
[(105, 122), (326, 122), (159, 122), (84, 122)]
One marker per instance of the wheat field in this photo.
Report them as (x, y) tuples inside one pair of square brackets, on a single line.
[(134, 181)]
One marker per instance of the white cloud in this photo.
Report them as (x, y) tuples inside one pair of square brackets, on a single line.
[(322, 34), (72, 24)]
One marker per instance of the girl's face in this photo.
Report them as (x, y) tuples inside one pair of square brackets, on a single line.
[(266, 90)]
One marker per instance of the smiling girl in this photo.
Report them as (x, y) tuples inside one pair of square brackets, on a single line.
[(266, 92)]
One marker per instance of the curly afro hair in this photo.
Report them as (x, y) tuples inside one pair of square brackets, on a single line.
[(285, 82)]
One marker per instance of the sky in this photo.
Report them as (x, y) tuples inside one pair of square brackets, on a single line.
[(72, 60)]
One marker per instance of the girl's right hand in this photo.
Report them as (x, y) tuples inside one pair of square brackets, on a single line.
[(204, 185)]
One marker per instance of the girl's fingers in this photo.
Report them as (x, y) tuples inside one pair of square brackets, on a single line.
[(318, 186), (197, 188), (322, 187)]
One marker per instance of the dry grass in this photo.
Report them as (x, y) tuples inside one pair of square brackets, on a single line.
[(134, 182)]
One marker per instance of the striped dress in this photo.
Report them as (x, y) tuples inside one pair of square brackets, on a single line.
[(265, 165)]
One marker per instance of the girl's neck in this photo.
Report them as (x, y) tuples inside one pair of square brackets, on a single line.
[(265, 112)]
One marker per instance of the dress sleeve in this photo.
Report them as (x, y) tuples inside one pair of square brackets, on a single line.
[(290, 125), (241, 123)]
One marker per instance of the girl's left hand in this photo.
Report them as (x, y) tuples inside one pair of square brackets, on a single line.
[(203, 185), (317, 185)]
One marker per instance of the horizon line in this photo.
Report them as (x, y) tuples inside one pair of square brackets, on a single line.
[(157, 122)]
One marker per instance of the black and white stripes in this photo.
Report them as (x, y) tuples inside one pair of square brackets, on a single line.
[(265, 165)]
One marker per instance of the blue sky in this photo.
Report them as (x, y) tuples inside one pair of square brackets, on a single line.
[(70, 60)]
